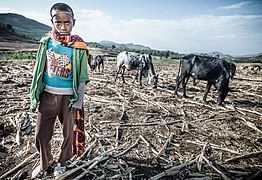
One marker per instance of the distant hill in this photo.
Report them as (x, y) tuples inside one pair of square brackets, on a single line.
[(8, 34), (24, 26), (124, 46)]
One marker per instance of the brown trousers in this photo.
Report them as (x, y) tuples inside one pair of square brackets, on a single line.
[(50, 107)]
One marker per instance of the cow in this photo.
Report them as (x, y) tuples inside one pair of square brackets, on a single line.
[(213, 70), (98, 61), (232, 69), (90, 60), (140, 62)]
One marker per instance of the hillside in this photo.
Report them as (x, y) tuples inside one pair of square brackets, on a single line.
[(8, 34), (12, 41), (24, 26)]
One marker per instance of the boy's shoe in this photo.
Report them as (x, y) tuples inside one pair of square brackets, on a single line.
[(38, 173), (59, 169)]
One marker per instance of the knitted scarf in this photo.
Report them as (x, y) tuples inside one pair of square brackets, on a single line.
[(66, 40), (79, 126)]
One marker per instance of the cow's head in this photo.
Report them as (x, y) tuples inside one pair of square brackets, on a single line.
[(152, 81), (93, 66), (223, 89), (232, 70)]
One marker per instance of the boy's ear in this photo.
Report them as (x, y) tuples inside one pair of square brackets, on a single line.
[(74, 21), (52, 21)]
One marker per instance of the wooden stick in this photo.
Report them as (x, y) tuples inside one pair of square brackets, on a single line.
[(221, 173), (249, 93), (100, 158), (117, 136), (251, 125), (162, 89), (12, 121), (148, 144), (125, 151), (199, 162), (173, 170), (141, 124), (214, 146), (166, 143), (248, 79), (244, 156), (254, 112), (18, 166), (83, 154), (102, 100), (201, 104)]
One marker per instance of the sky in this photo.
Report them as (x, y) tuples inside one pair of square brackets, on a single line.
[(185, 26)]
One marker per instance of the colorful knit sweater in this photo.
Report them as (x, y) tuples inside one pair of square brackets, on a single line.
[(80, 72)]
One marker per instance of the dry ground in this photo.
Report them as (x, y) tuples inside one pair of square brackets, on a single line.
[(138, 132)]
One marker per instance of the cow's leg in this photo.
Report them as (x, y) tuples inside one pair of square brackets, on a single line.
[(95, 66), (136, 75), (122, 75), (184, 86), (103, 65), (98, 68), (208, 86), (181, 79), (140, 77), (194, 81), (117, 72), (178, 82)]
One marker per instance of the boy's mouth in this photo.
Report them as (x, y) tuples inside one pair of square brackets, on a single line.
[(64, 33)]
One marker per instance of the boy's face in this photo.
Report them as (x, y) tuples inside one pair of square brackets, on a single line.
[(63, 22)]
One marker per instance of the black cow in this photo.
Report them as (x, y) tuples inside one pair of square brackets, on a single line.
[(140, 62), (213, 70), (98, 61), (232, 68)]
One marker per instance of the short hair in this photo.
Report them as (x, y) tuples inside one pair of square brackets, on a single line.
[(61, 7)]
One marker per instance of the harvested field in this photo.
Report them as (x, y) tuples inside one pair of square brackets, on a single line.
[(138, 132)]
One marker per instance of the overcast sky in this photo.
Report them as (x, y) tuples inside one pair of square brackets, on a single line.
[(185, 26)]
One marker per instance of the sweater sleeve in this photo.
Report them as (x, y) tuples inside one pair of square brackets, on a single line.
[(81, 92)]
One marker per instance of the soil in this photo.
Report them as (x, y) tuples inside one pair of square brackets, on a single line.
[(135, 132)]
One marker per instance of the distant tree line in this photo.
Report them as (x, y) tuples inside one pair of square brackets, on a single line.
[(161, 54)]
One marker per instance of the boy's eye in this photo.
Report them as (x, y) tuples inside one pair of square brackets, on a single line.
[(65, 23), (58, 23)]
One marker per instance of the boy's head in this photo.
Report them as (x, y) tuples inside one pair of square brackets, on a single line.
[(62, 18)]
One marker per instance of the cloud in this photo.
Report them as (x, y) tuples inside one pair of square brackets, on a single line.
[(235, 6), (235, 34), (6, 9)]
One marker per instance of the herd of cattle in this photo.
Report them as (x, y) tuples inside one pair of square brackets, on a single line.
[(215, 71)]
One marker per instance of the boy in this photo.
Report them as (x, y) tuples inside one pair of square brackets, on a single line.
[(58, 84)]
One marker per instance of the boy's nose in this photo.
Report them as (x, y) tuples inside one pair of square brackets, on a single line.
[(63, 26)]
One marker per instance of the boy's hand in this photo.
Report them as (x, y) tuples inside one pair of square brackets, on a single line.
[(73, 109)]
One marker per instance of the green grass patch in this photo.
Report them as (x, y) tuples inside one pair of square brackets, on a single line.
[(169, 61), (17, 56)]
